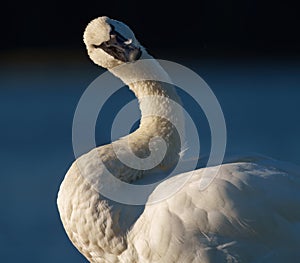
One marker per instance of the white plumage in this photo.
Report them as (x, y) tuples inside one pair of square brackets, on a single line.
[(250, 213)]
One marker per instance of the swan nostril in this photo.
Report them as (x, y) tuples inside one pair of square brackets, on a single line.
[(128, 42)]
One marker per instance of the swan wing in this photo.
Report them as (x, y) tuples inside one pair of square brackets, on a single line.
[(249, 213)]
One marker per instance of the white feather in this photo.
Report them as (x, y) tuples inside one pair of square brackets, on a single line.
[(250, 213)]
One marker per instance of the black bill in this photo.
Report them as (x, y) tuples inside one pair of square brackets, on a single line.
[(120, 48)]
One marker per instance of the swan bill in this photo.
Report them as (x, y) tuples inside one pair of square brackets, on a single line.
[(120, 48)]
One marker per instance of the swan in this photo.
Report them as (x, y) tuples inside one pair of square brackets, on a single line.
[(249, 213)]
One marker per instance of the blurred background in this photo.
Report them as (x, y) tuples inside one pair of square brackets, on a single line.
[(247, 51)]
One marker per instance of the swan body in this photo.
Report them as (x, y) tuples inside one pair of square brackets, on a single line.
[(249, 213)]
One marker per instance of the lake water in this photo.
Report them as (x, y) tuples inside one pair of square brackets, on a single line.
[(260, 101)]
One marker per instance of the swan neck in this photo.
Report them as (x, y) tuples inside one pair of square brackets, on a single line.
[(151, 85), (161, 113)]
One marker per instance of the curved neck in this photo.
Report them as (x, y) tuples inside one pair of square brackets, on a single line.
[(161, 112)]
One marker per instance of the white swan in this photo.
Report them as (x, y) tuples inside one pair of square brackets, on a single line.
[(250, 213)]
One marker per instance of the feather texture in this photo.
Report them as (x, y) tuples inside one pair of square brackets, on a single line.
[(249, 213)]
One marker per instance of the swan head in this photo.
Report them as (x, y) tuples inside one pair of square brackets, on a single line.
[(111, 43)]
